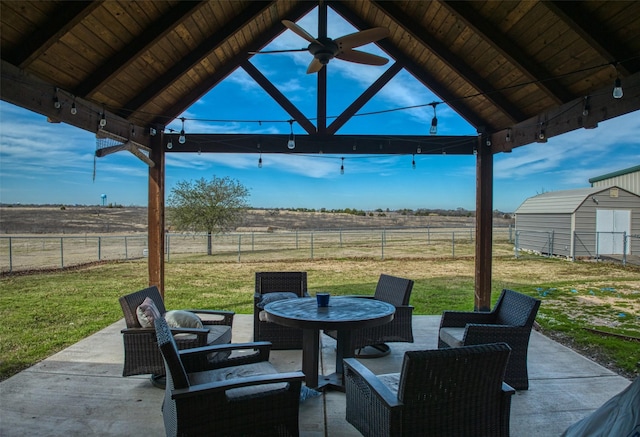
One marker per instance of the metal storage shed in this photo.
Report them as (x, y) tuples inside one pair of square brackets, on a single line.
[(581, 223), (628, 179)]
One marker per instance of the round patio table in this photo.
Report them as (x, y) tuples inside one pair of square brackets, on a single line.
[(343, 315)]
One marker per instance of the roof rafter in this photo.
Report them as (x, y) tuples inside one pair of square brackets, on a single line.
[(121, 60), (574, 15), (514, 54), (452, 60), (230, 65), (66, 17), (195, 56)]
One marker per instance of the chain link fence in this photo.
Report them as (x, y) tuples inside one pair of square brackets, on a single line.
[(21, 253)]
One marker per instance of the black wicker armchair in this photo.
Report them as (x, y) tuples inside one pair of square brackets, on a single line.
[(510, 321), (282, 283), (241, 395), (397, 292), (453, 392), (141, 353)]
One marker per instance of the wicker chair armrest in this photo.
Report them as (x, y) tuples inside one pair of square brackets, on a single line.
[(223, 317), (459, 319), (294, 378), (195, 359), (139, 331), (357, 371)]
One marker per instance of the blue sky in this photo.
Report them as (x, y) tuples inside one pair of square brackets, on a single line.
[(54, 163)]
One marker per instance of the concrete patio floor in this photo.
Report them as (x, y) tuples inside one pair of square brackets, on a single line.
[(80, 391)]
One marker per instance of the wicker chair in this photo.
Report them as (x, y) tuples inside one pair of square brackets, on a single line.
[(510, 321), (141, 354), (241, 395), (397, 292), (281, 337), (452, 392)]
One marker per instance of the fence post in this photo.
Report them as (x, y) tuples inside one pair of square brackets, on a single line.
[(253, 241), (573, 246), (552, 236), (624, 248), (126, 249), (61, 253), (340, 238), (453, 244), (168, 237), (382, 239), (10, 255), (239, 246), (311, 242), (297, 240), (428, 235), (598, 246), (516, 248)]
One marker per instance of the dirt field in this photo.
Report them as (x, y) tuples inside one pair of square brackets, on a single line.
[(19, 220)]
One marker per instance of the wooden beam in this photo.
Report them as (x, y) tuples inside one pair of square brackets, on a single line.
[(321, 78), (327, 144), (484, 226), (276, 95), (123, 58), (66, 17), (452, 60), (230, 65), (364, 98), (514, 54), (195, 56), (27, 91), (569, 117), (155, 214)]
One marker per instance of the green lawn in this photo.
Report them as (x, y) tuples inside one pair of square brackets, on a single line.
[(45, 312)]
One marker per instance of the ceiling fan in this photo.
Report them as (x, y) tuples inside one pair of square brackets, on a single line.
[(324, 49)]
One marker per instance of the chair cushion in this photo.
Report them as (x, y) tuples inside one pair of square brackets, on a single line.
[(452, 336), (147, 312), (275, 296), (183, 319), (226, 373)]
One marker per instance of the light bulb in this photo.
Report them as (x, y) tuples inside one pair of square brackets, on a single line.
[(413, 162), (260, 162), (342, 167), (103, 121), (56, 103), (291, 144), (182, 139), (434, 126), (170, 144), (74, 110), (617, 89)]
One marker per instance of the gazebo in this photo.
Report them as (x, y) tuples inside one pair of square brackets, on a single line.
[(520, 72)]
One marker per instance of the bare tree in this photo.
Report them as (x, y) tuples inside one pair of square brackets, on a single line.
[(207, 206)]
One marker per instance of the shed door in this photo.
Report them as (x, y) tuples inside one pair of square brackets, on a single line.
[(611, 224)]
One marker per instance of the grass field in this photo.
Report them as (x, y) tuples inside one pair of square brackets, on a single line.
[(45, 312)]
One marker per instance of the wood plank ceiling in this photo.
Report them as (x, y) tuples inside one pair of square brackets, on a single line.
[(515, 70)]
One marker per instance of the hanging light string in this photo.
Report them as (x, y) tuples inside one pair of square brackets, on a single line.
[(617, 92)]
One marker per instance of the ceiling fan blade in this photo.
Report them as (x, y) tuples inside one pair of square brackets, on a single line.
[(299, 31), (361, 38), (267, 52), (314, 66), (361, 57)]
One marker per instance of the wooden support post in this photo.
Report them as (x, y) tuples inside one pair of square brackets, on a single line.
[(484, 225), (155, 217)]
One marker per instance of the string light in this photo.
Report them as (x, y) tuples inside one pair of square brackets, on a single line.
[(508, 137), (413, 162), (291, 144), (617, 85), (170, 144), (56, 101), (103, 119), (74, 110), (542, 137), (342, 166), (182, 139), (260, 161), (434, 120)]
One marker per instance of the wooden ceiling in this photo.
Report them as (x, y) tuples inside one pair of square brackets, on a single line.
[(518, 71)]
